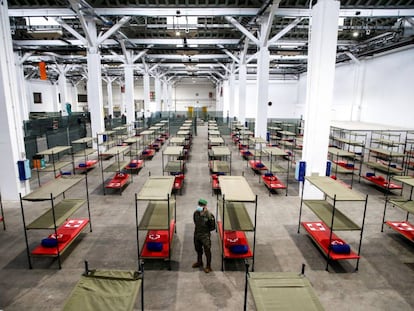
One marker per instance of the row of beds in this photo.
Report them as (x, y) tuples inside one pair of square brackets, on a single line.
[(267, 170), (270, 291)]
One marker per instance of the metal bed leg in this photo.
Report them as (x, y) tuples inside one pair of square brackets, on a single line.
[(245, 284)]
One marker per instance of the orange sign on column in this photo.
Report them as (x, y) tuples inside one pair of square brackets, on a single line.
[(42, 71)]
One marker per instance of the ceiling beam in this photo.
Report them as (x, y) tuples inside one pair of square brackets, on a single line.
[(219, 11)]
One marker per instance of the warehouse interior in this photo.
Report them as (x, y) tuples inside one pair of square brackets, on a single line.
[(312, 197)]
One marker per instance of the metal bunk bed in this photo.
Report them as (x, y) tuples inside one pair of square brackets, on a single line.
[(270, 179), (56, 219), (120, 179), (158, 219), (405, 228), (55, 165), (233, 219), (332, 219), (174, 165)]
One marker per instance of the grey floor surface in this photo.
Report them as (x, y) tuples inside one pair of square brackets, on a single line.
[(384, 280)]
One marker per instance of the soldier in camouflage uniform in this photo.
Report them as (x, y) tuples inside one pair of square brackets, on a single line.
[(204, 223)]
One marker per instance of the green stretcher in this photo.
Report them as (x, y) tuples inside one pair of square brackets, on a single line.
[(106, 290), (281, 291)]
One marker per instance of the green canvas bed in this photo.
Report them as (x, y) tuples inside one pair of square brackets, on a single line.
[(115, 290), (217, 166), (55, 150), (216, 141), (53, 188), (333, 188), (116, 150), (286, 133), (221, 151), (108, 142), (85, 152), (215, 133), (275, 291), (54, 165), (177, 141), (156, 188), (133, 140)]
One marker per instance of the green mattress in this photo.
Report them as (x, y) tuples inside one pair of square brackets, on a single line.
[(282, 291), (156, 216), (236, 217), (105, 290)]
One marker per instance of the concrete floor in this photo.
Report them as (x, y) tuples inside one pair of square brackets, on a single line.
[(384, 281)]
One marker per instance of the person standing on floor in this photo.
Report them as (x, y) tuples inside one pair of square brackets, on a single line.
[(204, 223)]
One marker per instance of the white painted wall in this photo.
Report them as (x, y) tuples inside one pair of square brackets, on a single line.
[(196, 95), (48, 96), (282, 94), (386, 92)]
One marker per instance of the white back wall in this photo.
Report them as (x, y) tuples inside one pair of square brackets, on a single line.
[(388, 89), (195, 95), (48, 94), (282, 94), (385, 90), (344, 92)]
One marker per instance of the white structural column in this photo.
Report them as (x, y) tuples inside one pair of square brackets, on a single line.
[(129, 93), (242, 92), (12, 146), (320, 84), (63, 89), (94, 85), (122, 98), (158, 95), (56, 106), (146, 85), (92, 41), (170, 95), (219, 97), (22, 86), (263, 60), (95, 96), (110, 95), (164, 96), (232, 106), (359, 76)]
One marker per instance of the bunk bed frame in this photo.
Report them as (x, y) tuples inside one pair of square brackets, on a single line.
[(405, 228), (343, 167), (270, 179), (84, 153), (174, 165), (99, 289), (56, 165), (331, 218), (57, 218), (273, 291), (234, 218), (220, 160), (158, 219), (118, 182)]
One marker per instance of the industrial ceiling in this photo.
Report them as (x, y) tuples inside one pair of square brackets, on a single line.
[(202, 39)]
